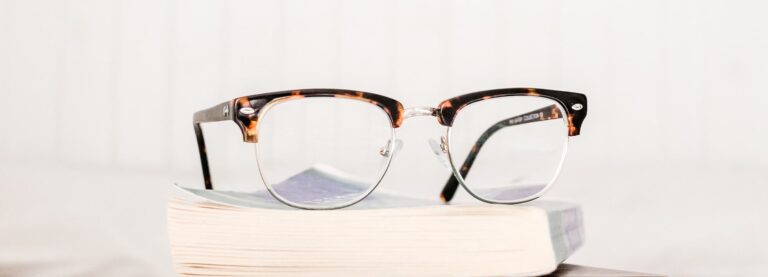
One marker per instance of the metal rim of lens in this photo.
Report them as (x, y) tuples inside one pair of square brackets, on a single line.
[(306, 207), (540, 193)]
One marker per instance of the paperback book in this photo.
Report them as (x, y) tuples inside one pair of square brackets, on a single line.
[(225, 233)]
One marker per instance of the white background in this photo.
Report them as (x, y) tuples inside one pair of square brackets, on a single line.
[(96, 102)]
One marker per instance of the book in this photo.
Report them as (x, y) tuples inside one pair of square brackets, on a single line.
[(227, 233)]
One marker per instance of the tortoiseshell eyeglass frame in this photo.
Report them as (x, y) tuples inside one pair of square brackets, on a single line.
[(244, 111)]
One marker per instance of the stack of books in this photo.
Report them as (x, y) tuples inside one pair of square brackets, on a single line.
[(222, 233)]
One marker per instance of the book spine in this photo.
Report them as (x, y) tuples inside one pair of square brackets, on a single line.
[(566, 231)]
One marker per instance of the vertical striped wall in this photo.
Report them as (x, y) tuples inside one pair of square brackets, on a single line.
[(116, 82)]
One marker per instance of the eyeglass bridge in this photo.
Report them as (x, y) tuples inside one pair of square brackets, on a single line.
[(419, 111)]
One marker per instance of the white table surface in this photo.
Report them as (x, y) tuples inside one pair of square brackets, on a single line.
[(86, 221)]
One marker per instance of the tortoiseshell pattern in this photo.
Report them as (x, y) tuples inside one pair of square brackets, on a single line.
[(448, 110), (245, 112), (249, 122), (546, 113)]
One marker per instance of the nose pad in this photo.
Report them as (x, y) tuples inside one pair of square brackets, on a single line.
[(385, 150), (440, 150)]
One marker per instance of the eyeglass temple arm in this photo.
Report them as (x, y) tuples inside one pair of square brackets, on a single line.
[(546, 113), (220, 112)]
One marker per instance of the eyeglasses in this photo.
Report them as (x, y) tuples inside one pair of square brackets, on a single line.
[(514, 141)]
